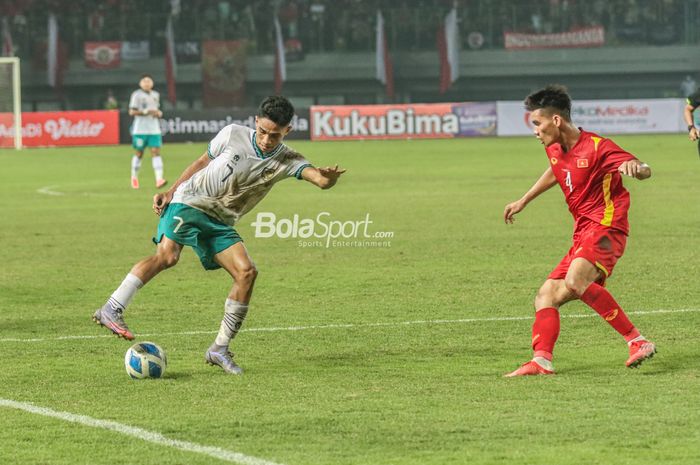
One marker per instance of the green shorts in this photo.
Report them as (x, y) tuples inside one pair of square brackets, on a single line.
[(189, 226), (141, 141)]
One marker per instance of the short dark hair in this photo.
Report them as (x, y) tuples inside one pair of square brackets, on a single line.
[(277, 109), (553, 98), (146, 75)]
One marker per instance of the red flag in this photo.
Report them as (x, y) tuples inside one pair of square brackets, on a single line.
[(103, 55), (448, 49), (280, 61), (8, 49), (170, 61), (385, 68)]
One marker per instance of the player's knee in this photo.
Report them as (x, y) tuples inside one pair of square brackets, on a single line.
[(168, 259), (575, 285), (247, 274)]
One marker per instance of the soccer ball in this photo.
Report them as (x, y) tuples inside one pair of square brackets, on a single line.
[(145, 360)]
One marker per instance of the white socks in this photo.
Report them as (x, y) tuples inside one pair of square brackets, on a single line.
[(135, 166), (544, 363), (234, 314), (158, 167), (125, 292)]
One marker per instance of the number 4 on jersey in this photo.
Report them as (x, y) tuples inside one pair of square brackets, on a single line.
[(568, 182)]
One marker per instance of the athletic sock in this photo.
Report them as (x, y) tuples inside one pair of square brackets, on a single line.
[(125, 292), (135, 166), (234, 314), (544, 363), (600, 300), (636, 339), (158, 167), (545, 331)]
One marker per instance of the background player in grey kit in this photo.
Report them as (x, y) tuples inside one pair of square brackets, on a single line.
[(144, 106), (240, 166)]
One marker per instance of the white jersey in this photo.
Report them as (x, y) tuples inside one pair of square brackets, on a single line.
[(238, 176), (140, 101)]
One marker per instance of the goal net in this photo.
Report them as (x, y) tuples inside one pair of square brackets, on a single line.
[(10, 103)]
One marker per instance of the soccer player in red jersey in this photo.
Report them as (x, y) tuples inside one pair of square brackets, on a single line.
[(589, 170)]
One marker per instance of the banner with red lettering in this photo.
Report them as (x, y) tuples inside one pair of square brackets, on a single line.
[(419, 121), (603, 116), (593, 36), (63, 128)]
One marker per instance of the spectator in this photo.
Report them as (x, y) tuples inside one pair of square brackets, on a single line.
[(111, 101)]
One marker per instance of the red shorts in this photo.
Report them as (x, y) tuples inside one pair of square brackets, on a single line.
[(601, 246)]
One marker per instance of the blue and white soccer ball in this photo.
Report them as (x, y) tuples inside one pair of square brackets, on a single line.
[(145, 360)]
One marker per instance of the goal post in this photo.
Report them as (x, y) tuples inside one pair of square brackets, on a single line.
[(10, 103)]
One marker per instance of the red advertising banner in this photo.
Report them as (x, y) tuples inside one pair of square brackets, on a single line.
[(63, 128), (420, 121), (593, 36), (7, 130), (224, 72), (103, 55)]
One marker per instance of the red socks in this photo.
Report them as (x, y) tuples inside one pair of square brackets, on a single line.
[(600, 300), (545, 332)]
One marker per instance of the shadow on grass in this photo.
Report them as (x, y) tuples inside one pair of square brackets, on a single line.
[(176, 375)]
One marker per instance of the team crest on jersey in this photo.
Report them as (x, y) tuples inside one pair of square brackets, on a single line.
[(582, 163), (268, 173), (553, 160)]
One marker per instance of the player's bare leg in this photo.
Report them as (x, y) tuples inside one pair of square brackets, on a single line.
[(158, 167), (236, 261), (135, 167), (110, 315), (545, 330)]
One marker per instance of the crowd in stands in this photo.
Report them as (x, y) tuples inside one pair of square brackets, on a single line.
[(342, 25)]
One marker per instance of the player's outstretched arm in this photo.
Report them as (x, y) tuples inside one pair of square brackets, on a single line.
[(325, 178), (544, 183), (693, 133), (635, 169), (161, 200)]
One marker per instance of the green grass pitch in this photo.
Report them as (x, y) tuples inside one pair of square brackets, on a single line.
[(365, 383)]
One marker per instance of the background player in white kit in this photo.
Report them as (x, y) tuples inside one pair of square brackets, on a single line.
[(239, 168), (144, 106)]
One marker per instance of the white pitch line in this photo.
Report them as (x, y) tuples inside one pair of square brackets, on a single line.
[(138, 433), (346, 325), (47, 190)]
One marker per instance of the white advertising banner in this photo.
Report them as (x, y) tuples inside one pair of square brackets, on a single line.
[(603, 116)]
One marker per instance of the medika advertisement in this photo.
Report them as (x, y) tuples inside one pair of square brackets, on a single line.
[(603, 116), (419, 121)]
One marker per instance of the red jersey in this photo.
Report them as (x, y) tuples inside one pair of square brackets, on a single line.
[(592, 186)]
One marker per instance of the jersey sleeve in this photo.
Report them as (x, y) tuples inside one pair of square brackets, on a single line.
[(219, 143), (133, 101), (613, 156), (295, 163)]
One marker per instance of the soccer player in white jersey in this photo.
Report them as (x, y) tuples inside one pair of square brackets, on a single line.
[(239, 168), (144, 106)]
